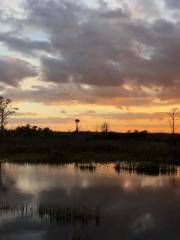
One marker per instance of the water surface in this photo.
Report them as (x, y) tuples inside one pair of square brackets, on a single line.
[(64, 202)]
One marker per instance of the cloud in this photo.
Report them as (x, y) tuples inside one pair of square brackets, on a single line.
[(51, 120), (174, 4), (24, 44), (104, 47), (101, 54), (135, 116), (13, 70), (25, 114), (73, 93)]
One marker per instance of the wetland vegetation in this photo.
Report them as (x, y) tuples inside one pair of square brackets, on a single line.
[(33, 145)]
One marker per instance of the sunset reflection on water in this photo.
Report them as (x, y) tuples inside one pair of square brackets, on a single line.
[(49, 200)]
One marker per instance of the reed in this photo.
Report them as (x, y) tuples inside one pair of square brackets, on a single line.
[(147, 168)]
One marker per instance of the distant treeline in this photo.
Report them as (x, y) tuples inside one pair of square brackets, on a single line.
[(37, 145), (31, 130)]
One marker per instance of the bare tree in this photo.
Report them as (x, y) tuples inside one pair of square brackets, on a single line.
[(77, 121), (105, 127), (96, 128), (173, 117), (5, 111)]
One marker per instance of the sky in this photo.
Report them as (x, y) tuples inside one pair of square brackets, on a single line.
[(97, 60)]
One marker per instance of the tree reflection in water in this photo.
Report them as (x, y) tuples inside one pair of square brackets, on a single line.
[(3, 187)]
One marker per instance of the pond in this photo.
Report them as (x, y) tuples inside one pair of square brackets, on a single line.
[(70, 202)]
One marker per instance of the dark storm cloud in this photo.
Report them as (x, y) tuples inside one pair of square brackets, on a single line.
[(106, 47), (24, 45), (103, 48), (114, 14), (84, 39), (13, 70), (54, 70), (174, 4)]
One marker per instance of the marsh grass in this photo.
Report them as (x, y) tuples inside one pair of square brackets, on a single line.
[(148, 168), (60, 148), (55, 214), (69, 215), (91, 167)]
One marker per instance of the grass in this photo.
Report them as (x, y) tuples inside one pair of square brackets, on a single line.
[(69, 215), (85, 148), (91, 167), (148, 168), (55, 214)]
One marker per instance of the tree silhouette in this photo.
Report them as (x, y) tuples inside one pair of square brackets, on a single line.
[(77, 121), (5, 111), (105, 127), (173, 116)]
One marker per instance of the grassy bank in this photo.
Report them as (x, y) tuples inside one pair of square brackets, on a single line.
[(56, 147)]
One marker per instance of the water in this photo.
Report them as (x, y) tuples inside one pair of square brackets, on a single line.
[(63, 202)]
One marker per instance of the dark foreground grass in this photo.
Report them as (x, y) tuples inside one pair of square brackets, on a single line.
[(60, 148), (58, 214), (91, 167), (69, 215), (147, 168)]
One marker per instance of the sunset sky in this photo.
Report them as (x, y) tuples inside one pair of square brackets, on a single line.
[(115, 61)]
